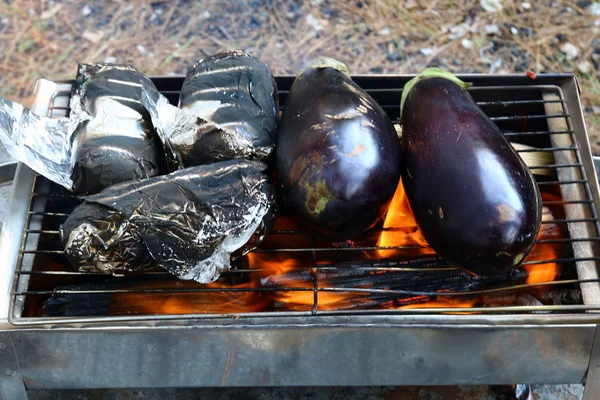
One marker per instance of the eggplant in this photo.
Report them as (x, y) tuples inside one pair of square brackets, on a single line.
[(338, 154), (118, 142), (188, 222), (472, 196), (228, 110), (101, 239)]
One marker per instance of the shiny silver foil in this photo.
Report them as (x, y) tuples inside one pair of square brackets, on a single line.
[(43, 143), (188, 222), (228, 109), (105, 140)]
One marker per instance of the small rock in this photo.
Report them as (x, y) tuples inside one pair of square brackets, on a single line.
[(570, 50), (94, 37), (526, 6), (459, 31), (491, 5), (51, 12), (142, 50), (411, 4), (585, 67), (110, 60), (384, 32), (491, 29), (428, 50), (514, 30), (467, 44), (128, 8), (594, 8), (206, 15), (312, 21), (495, 65), (86, 10)]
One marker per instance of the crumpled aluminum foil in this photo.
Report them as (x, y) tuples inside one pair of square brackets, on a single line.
[(228, 109), (189, 222), (105, 140), (43, 143)]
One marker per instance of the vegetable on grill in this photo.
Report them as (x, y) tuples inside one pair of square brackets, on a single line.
[(338, 155), (228, 109), (118, 142), (188, 222), (473, 197)]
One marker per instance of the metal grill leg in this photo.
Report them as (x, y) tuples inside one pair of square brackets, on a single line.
[(592, 382), (12, 386)]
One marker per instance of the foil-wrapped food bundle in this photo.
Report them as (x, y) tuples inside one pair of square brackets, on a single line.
[(228, 109), (108, 137), (189, 222), (118, 143)]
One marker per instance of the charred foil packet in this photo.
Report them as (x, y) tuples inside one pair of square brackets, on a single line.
[(188, 222), (228, 109), (108, 137)]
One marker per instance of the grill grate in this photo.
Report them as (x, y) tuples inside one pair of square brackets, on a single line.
[(519, 110)]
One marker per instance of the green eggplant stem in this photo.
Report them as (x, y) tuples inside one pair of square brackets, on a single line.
[(429, 73), (324, 62)]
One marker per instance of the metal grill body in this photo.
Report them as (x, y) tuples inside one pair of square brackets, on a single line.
[(525, 344)]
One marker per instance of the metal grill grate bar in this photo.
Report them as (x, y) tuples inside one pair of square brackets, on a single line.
[(527, 128)]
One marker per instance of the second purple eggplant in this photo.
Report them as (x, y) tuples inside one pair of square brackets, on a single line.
[(472, 195)]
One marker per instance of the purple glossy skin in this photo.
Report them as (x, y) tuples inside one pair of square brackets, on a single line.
[(472, 196), (338, 154)]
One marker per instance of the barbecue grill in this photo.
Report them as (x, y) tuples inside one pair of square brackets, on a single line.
[(313, 344)]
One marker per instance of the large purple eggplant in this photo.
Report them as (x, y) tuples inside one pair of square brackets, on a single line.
[(338, 154), (472, 196)]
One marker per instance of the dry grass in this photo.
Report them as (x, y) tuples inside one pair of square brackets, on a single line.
[(46, 38)]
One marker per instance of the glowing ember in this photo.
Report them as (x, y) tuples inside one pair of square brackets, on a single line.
[(546, 272)]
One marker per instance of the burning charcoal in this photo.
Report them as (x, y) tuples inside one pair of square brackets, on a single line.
[(159, 296), (190, 221), (401, 287), (107, 139), (77, 305), (229, 109)]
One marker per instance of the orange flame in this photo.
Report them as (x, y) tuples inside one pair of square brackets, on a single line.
[(546, 272), (400, 228), (182, 302)]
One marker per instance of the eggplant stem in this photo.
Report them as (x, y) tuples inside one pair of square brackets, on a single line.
[(429, 73), (325, 62)]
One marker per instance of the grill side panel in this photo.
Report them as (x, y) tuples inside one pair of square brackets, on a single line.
[(304, 356)]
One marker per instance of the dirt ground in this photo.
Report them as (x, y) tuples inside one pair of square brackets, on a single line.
[(43, 38)]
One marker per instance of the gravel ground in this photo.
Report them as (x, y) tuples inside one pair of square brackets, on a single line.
[(44, 38)]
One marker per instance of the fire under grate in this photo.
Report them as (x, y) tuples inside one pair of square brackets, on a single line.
[(295, 273)]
